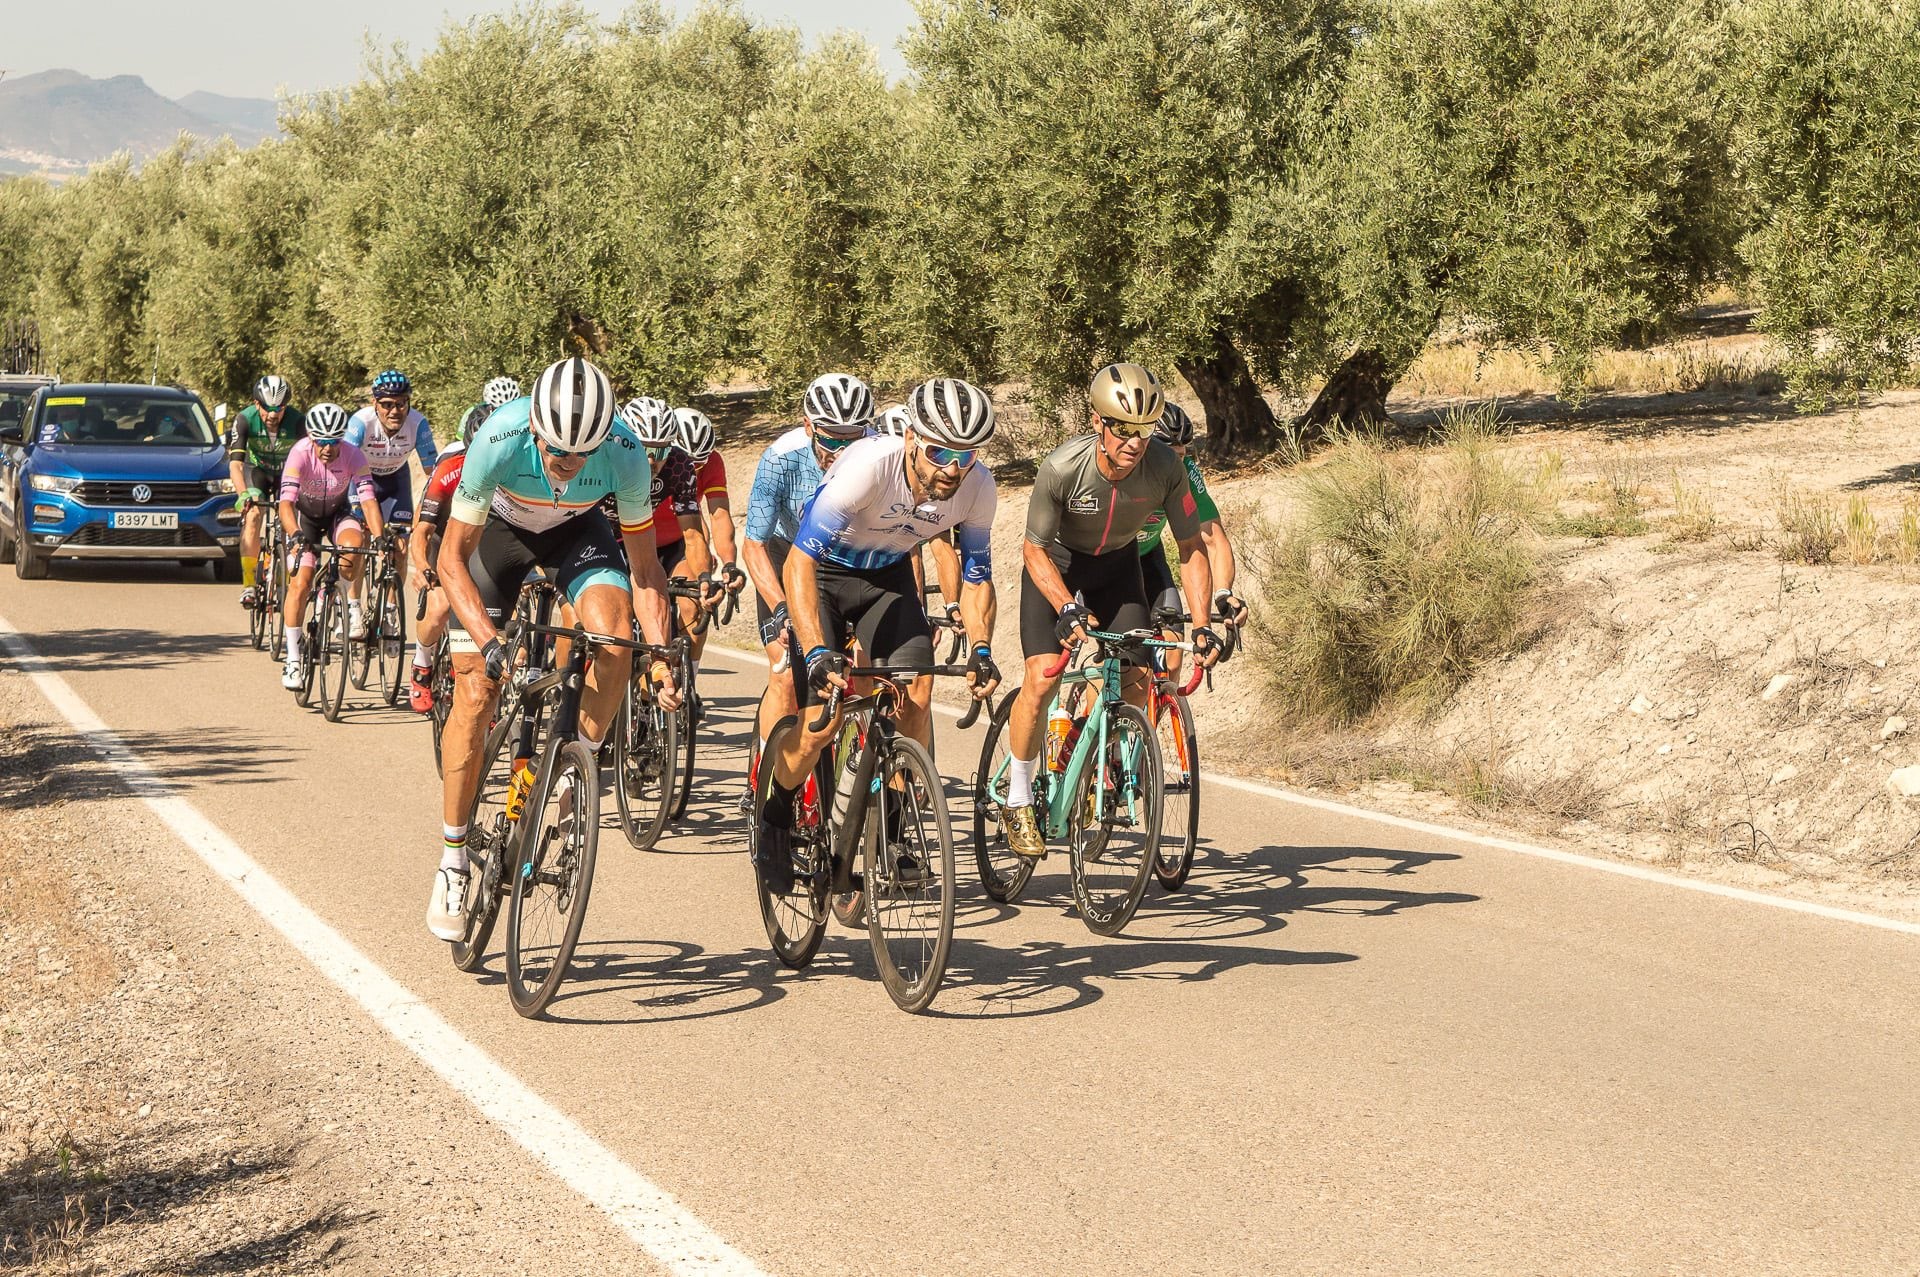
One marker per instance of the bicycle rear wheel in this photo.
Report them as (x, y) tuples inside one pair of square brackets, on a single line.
[(796, 920), (1179, 790), (1116, 822), (554, 875), (1003, 871), (645, 750), (908, 869), (490, 846)]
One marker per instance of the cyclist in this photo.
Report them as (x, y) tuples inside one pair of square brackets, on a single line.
[(258, 442), (1176, 431), (1091, 496), (836, 410), (946, 553), (541, 463), (323, 482), (496, 392), (678, 538), (423, 545), (387, 429), (695, 433), (848, 577)]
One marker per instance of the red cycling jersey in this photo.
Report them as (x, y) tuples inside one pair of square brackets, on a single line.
[(438, 498), (713, 476)]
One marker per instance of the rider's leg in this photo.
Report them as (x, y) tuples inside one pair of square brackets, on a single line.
[(250, 546), (605, 608)]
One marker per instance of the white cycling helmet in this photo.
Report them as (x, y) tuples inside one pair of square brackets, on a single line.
[(501, 390), (951, 413), (839, 404), (894, 422), (572, 406), (326, 423), (271, 392), (695, 432), (650, 420)]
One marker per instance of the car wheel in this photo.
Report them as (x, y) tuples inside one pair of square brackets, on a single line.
[(28, 564)]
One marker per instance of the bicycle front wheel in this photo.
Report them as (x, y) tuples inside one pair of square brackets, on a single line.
[(796, 919), (361, 652), (490, 845), (259, 615), (329, 683), (390, 615), (1003, 871), (645, 752), (1116, 822), (683, 679), (275, 588), (554, 876), (908, 869), (1179, 790), (442, 699)]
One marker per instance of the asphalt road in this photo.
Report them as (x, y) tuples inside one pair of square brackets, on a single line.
[(1344, 1048)]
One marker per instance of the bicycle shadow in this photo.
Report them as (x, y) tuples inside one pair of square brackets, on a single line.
[(667, 981), (1049, 977), (41, 763)]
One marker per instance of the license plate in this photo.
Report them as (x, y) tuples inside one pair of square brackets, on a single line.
[(145, 519)]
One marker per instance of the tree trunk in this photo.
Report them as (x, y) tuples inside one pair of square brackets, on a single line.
[(1238, 418), (1356, 394)]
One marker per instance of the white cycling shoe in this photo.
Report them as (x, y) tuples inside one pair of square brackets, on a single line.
[(447, 906), (290, 676), (356, 623)]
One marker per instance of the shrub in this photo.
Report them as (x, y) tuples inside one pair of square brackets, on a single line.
[(1403, 572), (1693, 518), (1809, 526)]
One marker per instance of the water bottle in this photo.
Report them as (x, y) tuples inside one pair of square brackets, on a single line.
[(1059, 728), (843, 790)]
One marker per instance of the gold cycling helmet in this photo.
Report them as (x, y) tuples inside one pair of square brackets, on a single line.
[(1127, 392)]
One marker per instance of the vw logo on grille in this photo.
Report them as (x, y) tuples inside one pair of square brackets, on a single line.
[(142, 493)]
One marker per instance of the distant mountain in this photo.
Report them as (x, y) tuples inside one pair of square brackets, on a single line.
[(62, 122)]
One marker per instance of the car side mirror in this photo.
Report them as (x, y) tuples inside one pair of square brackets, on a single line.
[(12, 435)]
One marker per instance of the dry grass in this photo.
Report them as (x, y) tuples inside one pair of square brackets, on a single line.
[(1461, 368), (1402, 571), (1619, 505), (1863, 532), (1693, 517), (1810, 529), (1906, 535)]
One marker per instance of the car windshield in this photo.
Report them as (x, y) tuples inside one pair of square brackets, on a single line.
[(124, 419)]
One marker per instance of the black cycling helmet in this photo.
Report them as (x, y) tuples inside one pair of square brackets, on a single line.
[(1175, 426)]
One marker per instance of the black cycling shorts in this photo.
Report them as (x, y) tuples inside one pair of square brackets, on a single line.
[(266, 482), (1111, 586), (881, 607), (672, 555), (777, 552), (581, 552), (1162, 594), (394, 493)]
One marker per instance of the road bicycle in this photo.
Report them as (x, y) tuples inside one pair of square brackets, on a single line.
[(385, 647), (533, 831), (270, 589), (904, 841), (647, 751), (1100, 790), (681, 587), (1180, 754), (328, 640)]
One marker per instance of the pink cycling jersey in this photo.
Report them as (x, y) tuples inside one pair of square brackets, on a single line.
[(319, 489)]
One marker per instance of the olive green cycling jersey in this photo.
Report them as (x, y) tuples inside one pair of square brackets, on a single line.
[(1075, 509), (1204, 510), (249, 440)]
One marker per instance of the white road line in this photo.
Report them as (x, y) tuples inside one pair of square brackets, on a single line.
[(647, 1213), (1622, 868)]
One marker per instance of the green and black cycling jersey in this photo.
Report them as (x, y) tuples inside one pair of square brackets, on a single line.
[(249, 440)]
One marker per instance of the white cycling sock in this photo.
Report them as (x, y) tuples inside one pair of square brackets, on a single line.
[(693, 668), (421, 656), (1020, 780), (591, 744), (453, 849), (293, 644)]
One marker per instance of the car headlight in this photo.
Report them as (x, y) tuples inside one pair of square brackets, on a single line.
[(220, 486), (54, 483)]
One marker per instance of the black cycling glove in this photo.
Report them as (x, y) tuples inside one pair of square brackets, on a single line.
[(1205, 642), (822, 662), (1072, 617), (771, 627), (980, 666), (494, 653)]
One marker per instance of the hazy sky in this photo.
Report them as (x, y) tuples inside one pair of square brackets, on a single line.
[(249, 49)]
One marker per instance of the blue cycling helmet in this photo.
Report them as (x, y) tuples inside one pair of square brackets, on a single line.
[(391, 384)]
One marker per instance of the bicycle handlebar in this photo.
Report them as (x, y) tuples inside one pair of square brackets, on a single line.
[(895, 674)]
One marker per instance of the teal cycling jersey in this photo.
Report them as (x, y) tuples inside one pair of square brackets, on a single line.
[(506, 475)]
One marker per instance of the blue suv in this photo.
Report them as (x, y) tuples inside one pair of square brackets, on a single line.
[(102, 471)]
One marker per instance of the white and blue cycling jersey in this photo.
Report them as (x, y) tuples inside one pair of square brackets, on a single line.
[(787, 477), (865, 515), (505, 475), (387, 453)]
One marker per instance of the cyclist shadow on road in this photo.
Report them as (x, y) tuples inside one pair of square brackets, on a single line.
[(654, 982), (82, 651), (992, 981), (1241, 894)]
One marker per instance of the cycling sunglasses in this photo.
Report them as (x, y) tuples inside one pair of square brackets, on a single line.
[(561, 454), (400, 401), (1129, 429), (831, 443), (944, 458)]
